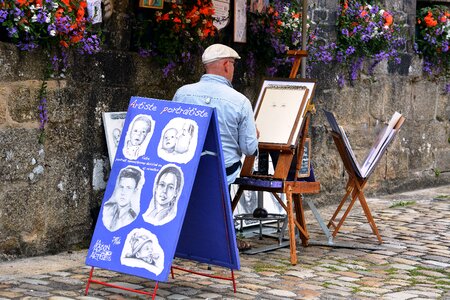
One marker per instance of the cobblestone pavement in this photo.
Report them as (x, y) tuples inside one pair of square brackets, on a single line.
[(412, 263)]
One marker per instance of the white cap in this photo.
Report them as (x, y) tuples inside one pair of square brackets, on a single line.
[(218, 51)]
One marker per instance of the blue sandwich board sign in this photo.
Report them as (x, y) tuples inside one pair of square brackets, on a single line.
[(167, 194)]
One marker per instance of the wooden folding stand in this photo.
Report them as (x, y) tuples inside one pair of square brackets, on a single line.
[(278, 182), (355, 187)]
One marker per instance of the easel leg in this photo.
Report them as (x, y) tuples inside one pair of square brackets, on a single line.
[(236, 198), (345, 214), (369, 217), (234, 281), (154, 291), (300, 216), (349, 189), (292, 241), (89, 281)]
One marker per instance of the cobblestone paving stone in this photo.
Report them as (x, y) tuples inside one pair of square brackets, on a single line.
[(412, 263)]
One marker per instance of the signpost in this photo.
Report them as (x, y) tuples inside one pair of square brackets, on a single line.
[(167, 195)]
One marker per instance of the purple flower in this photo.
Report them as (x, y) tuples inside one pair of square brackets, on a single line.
[(167, 69), (355, 68), (345, 31), (341, 80), (89, 45), (12, 32), (251, 64), (447, 88), (271, 71), (445, 46), (144, 52), (3, 15), (40, 17), (350, 50), (43, 116), (374, 9), (27, 46), (186, 57), (17, 13), (427, 67)]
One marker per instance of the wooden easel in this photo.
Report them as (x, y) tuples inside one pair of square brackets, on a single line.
[(355, 186), (293, 189)]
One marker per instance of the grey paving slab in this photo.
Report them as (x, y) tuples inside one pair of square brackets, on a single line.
[(413, 263)]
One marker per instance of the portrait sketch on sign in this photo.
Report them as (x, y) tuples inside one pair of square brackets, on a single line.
[(167, 189), (142, 250), (178, 140), (138, 136), (113, 123), (124, 205)]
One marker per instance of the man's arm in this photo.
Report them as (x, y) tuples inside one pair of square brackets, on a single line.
[(248, 139)]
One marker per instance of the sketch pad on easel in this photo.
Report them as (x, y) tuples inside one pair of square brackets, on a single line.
[(280, 110)]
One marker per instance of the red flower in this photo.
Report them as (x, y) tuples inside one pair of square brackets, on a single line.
[(59, 13), (64, 44), (429, 20), (345, 4), (165, 17), (22, 2), (388, 19)]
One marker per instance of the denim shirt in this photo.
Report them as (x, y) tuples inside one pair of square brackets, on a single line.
[(234, 111)]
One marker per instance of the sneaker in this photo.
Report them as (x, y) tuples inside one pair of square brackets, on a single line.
[(243, 245)]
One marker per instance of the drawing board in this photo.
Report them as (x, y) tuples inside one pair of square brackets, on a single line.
[(280, 109)]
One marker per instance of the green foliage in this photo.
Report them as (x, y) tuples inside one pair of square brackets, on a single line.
[(437, 172), (402, 204)]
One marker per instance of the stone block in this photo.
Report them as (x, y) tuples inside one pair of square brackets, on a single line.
[(32, 65), (8, 61), (105, 68), (443, 106), (19, 155), (23, 101), (424, 97), (402, 68), (320, 15), (3, 104), (443, 160)]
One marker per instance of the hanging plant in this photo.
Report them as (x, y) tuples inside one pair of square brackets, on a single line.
[(55, 27), (271, 33), (366, 32), (432, 42), (177, 34)]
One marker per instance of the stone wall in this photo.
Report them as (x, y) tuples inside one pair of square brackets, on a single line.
[(50, 193)]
